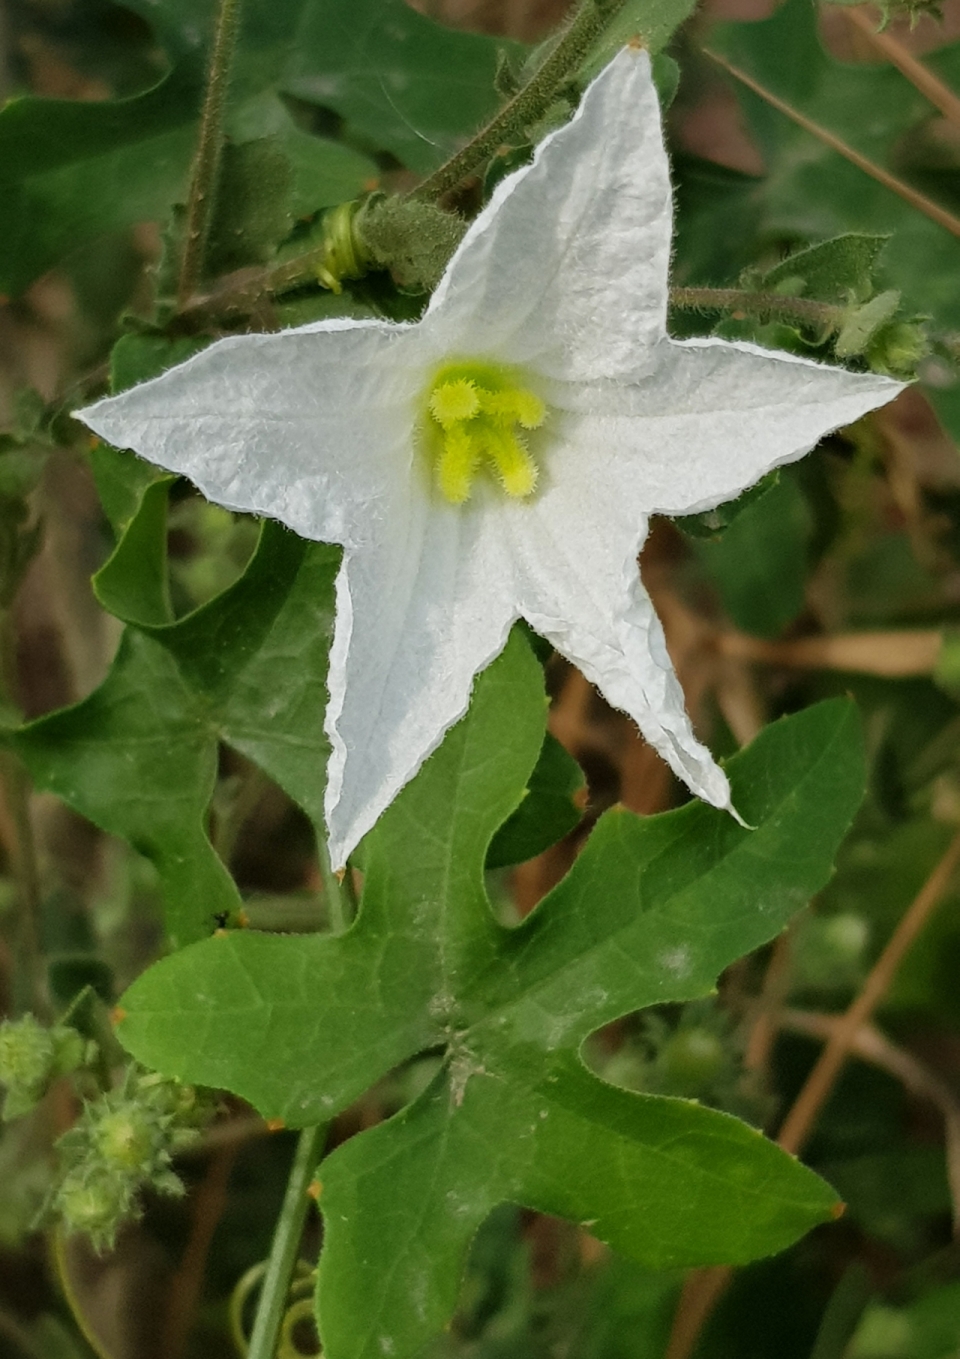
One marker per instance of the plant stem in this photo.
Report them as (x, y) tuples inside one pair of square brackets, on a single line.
[(240, 293), (806, 310), (29, 983), (286, 1244), (206, 165), (340, 905), (530, 103)]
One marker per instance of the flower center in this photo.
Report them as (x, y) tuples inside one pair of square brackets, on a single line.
[(475, 418)]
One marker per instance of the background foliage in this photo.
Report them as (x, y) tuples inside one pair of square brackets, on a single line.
[(576, 1082)]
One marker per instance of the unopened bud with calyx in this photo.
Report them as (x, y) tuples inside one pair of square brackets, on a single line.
[(412, 240), (888, 343), (898, 348), (31, 1059)]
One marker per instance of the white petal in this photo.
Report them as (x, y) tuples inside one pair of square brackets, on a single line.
[(710, 420), (306, 426), (422, 605), (579, 586), (566, 268)]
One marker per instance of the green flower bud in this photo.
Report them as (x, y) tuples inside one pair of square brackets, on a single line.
[(70, 1050), (829, 950), (27, 1053), (127, 1138), (864, 322), (896, 349), (96, 1203), (690, 1060), (413, 240), (124, 1142)]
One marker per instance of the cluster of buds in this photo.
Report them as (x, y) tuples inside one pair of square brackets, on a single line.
[(31, 1059), (125, 1142)]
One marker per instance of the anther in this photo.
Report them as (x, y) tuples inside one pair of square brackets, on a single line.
[(454, 401), (471, 417)]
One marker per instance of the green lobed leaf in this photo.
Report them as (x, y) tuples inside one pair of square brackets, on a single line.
[(138, 759), (652, 911), (132, 584), (139, 756), (71, 171)]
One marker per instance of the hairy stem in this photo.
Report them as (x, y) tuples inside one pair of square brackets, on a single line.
[(286, 1244), (206, 165), (805, 310), (530, 103)]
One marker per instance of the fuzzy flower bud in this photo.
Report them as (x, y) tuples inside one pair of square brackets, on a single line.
[(31, 1057), (896, 349), (92, 1201)]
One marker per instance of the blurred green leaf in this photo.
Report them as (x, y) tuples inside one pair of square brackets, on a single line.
[(928, 1329), (70, 171), (759, 563)]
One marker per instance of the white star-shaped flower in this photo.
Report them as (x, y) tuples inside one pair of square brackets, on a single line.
[(500, 458)]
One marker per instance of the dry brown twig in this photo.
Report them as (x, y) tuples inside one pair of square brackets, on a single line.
[(873, 1046), (909, 66), (703, 1288)]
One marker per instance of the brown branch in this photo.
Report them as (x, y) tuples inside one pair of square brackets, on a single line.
[(921, 77), (776, 983), (889, 181), (874, 1047), (186, 1286), (703, 1288), (802, 1117), (895, 654)]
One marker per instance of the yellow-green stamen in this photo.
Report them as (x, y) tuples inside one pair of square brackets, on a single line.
[(475, 412)]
